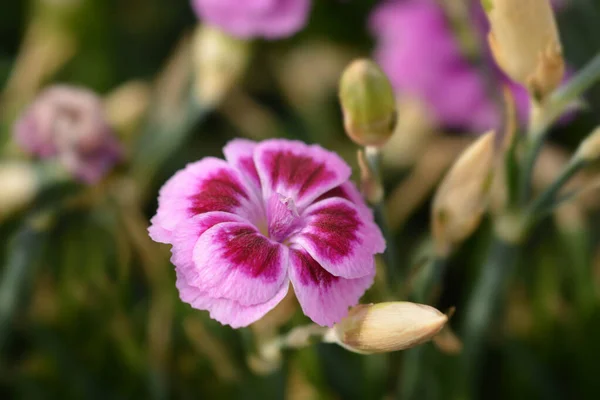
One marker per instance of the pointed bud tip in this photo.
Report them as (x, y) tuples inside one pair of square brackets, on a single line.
[(368, 103), (589, 149)]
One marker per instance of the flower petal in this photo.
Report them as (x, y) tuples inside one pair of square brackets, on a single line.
[(188, 232), (340, 238), (207, 185), (227, 312), (239, 153), (348, 191), (233, 260), (325, 298), (299, 171)]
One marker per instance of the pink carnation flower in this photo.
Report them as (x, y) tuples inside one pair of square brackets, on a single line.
[(274, 212), (254, 18), (68, 124)]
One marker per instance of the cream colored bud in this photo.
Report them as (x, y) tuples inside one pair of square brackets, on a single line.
[(19, 186), (219, 61), (589, 149), (384, 327), (525, 42), (368, 103), (462, 197), (126, 105)]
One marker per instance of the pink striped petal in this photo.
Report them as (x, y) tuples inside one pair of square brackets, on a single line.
[(188, 233), (298, 171), (233, 260), (324, 298), (239, 153), (205, 186), (340, 238), (348, 191), (227, 312)]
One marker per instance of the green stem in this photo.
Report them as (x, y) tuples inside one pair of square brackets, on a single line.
[(569, 196), (394, 274), (547, 199), (585, 78), (413, 363), (481, 308), (532, 151), (552, 109), (23, 256)]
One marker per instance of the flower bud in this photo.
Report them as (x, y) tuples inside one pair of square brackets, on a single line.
[(219, 61), (19, 186), (68, 124), (384, 327), (126, 105), (462, 197), (589, 149), (368, 103), (525, 43)]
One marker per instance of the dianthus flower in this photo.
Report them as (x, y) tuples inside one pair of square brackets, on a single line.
[(274, 212), (68, 124), (270, 19), (419, 51)]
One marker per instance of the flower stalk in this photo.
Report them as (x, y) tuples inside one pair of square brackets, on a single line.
[(23, 257), (549, 197), (394, 274), (482, 305), (549, 112)]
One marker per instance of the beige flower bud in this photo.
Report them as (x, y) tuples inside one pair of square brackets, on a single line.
[(589, 149), (525, 43), (462, 197), (384, 327), (19, 186), (219, 61), (126, 105), (368, 103)]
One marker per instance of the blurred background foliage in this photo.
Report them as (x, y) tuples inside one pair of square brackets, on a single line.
[(94, 312)]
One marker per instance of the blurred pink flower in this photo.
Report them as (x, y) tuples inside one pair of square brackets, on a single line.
[(68, 124), (420, 53), (273, 212), (270, 19)]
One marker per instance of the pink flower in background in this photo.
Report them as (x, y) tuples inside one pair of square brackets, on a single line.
[(68, 124), (274, 212), (418, 50), (270, 19)]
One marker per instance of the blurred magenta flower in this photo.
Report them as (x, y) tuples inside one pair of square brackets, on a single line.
[(419, 51), (273, 212), (270, 19), (68, 124)]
